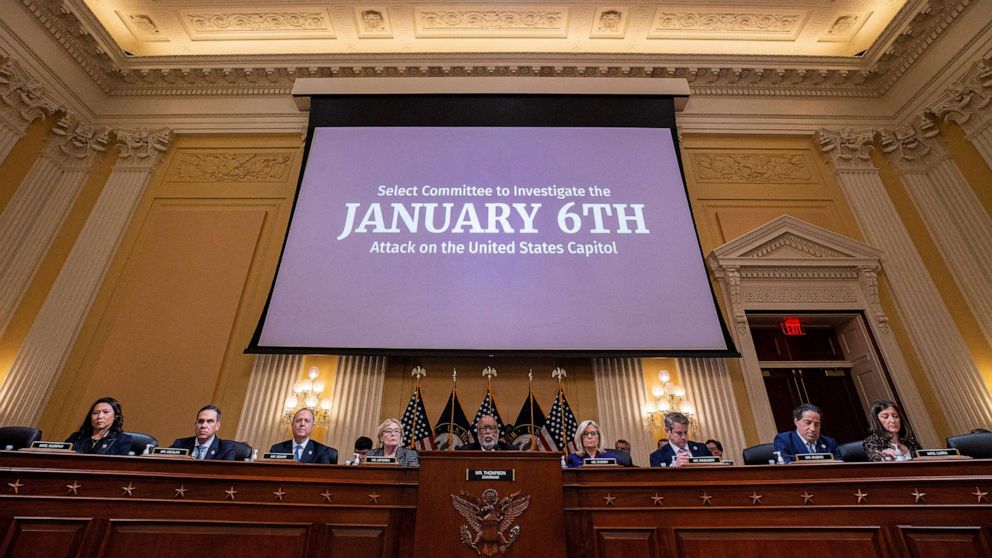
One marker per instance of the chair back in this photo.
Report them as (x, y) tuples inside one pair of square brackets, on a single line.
[(977, 445), (242, 450), (853, 452), (139, 441), (760, 454), (18, 437), (623, 458)]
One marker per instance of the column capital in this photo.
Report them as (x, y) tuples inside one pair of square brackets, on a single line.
[(22, 98), (914, 148), (968, 101), (75, 145), (848, 150), (141, 149)]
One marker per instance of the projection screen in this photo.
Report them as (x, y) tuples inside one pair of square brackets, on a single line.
[(510, 224)]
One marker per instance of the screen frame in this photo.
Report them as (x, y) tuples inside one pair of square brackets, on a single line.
[(562, 110)]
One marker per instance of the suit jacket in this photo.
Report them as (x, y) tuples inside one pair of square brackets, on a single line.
[(115, 443), (874, 444), (663, 457), (313, 452), (789, 444), (500, 446), (219, 449), (404, 456)]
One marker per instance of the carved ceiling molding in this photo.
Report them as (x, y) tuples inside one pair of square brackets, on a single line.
[(869, 76), (22, 98), (968, 100)]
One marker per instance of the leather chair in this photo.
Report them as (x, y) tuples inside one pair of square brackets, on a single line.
[(242, 450), (139, 441), (853, 452), (977, 445), (18, 437), (760, 454), (623, 458)]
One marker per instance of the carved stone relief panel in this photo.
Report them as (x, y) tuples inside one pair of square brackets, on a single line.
[(767, 24), (610, 23), (230, 166), (761, 168), (372, 22), (247, 23), (845, 26), (518, 22)]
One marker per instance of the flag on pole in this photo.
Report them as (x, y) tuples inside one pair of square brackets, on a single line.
[(528, 432), (488, 407), (416, 426), (452, 428), (561, 425)]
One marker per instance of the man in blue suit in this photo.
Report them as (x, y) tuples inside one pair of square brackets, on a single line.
[(806, 437), (301, 446), (206, 444), (679, 448)]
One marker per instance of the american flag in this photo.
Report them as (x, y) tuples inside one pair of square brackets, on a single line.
[(416, 426), (529, 432), (488, 407), (561, 424)]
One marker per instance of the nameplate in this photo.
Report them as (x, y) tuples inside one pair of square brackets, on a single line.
[(705, 460), (276, 456), (815, 457), (380, 460), (491, 474), (51, 446), (172, 452), (599, 461), (938, 452)]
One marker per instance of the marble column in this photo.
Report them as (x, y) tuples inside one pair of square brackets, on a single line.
[(952, 372), (620, 400), (22, 101), (708, 386), (272, 380), (968, 102), (951, 210), (355, 402), (25, 390), (37, 209)]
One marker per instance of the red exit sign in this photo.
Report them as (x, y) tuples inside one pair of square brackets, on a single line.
[(793, 326)]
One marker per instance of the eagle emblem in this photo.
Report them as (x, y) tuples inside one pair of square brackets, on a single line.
[(489, 528)]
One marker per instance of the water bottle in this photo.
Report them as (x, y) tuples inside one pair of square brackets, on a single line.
[(254, 454), (778, 458), (563, 464), (148, 449), (357, 460)]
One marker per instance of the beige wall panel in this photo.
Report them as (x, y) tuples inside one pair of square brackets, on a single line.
[(509, 386), (176, 304), (167, 330), (734, 219)]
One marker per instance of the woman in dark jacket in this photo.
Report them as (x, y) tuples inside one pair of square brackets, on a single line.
[(102, 430), (889, 439)]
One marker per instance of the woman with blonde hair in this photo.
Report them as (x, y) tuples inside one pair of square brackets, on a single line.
[(589, 440), (390, 436)]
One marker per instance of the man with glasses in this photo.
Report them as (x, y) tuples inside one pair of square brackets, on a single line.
[(304, 449), (488, 436), (679, 448)]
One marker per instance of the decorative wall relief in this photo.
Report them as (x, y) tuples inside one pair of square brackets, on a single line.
[(761, 168), (522, 22), (230, 167)]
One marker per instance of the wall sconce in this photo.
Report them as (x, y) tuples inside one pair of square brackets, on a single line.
[(668, 397), (306, 395)]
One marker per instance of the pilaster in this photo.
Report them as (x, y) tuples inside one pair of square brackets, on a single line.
[(951, 370), (22, 101), (968, 102)]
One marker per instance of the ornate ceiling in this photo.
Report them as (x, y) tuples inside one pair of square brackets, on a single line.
[(831, 48)]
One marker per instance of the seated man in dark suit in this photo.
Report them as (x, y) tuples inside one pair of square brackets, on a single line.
[(206, 444), (488, 438), (806, 437), (679, 448), (622, 450), (301, 446)]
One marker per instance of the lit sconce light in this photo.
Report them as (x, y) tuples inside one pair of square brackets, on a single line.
[(668, 397), (308, 391)]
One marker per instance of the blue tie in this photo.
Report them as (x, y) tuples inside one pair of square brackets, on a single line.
[(299, 452)]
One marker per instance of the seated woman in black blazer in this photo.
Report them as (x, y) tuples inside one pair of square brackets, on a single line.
[(889, 439), (102, 430)]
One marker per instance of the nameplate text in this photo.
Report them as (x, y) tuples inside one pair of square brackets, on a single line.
[(491, 474)]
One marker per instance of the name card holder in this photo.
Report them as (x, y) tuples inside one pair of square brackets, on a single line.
[(938, 454), (599, 462), (276, 456), (380, 460), (56, 447), (815, 458), (509, 475), (705, 460), (170, 452)]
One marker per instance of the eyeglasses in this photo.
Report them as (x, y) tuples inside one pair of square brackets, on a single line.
[(488, 428), (590, 433), (396, 431)]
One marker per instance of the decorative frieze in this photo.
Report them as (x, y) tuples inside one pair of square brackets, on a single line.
[(798, 295), (257, 24), (507, 22), (768, 24), (752, 168), (230, 166)]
